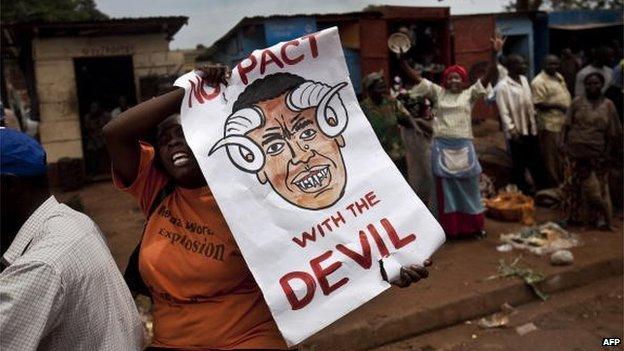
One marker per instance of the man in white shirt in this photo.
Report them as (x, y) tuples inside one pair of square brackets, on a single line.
[(515, 106), (598, 64), (59, 286)]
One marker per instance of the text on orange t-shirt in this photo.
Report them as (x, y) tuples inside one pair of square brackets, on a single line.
[(203, 293)]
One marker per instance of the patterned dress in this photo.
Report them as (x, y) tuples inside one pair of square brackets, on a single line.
[(593, 131)]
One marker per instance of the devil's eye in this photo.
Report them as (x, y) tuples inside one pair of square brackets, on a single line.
[(275, 148), (308, 134)]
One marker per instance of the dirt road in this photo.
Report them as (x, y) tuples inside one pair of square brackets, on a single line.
[(116, 213), (574, 320)]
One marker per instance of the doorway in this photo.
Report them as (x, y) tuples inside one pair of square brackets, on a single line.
[(520, 45), (101, 82)]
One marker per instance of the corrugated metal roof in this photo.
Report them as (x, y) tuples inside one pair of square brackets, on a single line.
[(15, 34), (584, 26), (117, 20), (319, 16), (570, 17), (371, 12), (113, 26), (326, 17)]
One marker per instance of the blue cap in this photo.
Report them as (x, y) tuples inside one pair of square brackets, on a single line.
[(20, 154)]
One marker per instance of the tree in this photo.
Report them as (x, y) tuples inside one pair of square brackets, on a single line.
[(50, 10), (524, 5), (557, 5)]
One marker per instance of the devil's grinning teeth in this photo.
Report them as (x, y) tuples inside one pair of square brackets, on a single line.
[(313, 180), (317, 180)]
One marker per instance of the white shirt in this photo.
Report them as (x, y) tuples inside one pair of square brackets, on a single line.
[(453, 112), (62, 289), (515, 106), (579, 86)]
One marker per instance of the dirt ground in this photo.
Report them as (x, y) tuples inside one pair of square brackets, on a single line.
[(460, 278), (116, 213), (575, 320)]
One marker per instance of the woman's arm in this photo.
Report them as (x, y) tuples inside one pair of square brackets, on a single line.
[(613, 135), (123, 133), (413, 74), (491, 75), (544, 106), (568, 123)]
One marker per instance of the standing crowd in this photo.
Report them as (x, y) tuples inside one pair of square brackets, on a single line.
[(553, 139)]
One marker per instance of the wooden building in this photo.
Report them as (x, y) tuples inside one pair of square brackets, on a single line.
[(68, 66)]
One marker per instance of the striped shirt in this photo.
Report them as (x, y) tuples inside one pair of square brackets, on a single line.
[(452, 111), (61, 289)]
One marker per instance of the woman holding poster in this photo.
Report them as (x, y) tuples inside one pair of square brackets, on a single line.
[(454, 161), (204, 296)]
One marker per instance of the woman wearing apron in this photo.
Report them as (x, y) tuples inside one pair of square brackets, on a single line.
[(455, 166)]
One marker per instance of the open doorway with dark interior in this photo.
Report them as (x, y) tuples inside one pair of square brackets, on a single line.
[(519, 45), (426, 52), (103, 83)]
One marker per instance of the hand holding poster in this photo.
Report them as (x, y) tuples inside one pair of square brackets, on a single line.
[(310, 196)]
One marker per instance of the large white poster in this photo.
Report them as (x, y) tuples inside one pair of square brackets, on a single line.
[(312, 199)]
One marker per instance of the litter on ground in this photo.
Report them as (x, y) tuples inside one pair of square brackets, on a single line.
[(513, 269), (561, 258), (541, 239), (525, 329), (498, 319), (512, 206)]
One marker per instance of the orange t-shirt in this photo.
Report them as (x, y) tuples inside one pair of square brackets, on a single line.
[(204, 295)]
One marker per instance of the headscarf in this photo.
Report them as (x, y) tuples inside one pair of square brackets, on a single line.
[(463, 74), (371, 78)]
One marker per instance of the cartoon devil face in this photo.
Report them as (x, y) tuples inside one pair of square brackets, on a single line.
[(303, 165), (293, 142)]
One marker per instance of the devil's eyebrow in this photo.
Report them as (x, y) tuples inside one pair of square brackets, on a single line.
[(269, 137), (300, 124), (296, 118), (296, 122)]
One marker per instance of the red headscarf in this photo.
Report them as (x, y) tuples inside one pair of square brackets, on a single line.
[(454, 69)]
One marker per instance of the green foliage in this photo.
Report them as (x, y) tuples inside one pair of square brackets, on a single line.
[(50, 10), (530, 277)]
